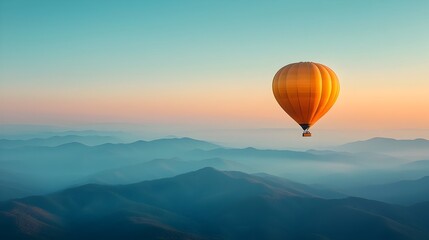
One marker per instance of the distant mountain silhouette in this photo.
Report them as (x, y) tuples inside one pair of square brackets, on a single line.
[(418, 164), (58, 140), (249, 154), (417, 148), (252, 153), (105, 155), (313, 190), (402, 192), (160, 168), (67, 164), (74, 163), (385, 144), (206, 204)]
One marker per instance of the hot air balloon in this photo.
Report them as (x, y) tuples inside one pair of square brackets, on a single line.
[(306, 91)]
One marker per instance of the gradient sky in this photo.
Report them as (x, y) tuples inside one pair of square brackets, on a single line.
[(210, 64)]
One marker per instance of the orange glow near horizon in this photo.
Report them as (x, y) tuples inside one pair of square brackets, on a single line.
[(213, 106), (210, 65)]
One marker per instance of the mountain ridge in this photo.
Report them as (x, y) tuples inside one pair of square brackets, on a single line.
[(206, 204), (401, 192)]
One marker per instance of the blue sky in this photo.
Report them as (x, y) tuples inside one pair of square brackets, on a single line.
[(199, 36), (166, 62)]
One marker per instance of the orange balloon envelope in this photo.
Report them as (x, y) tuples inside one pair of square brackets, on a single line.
[(306, 91)]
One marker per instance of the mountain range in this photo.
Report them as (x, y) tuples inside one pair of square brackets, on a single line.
[(160, 168), (415, 149), (53, 141), (34, 168), (404, 192), (208, 204)]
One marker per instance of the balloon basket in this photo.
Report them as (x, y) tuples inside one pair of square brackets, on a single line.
[(306, 134)]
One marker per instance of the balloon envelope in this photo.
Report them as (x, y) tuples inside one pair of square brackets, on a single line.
[(306, 91)]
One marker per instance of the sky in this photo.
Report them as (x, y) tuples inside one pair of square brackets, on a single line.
[(186, 65)]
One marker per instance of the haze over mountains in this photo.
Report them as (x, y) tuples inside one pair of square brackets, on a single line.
[(159, 168), (403, 192), (276, 194), (415, 149), (38, 169), (90, 140)]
